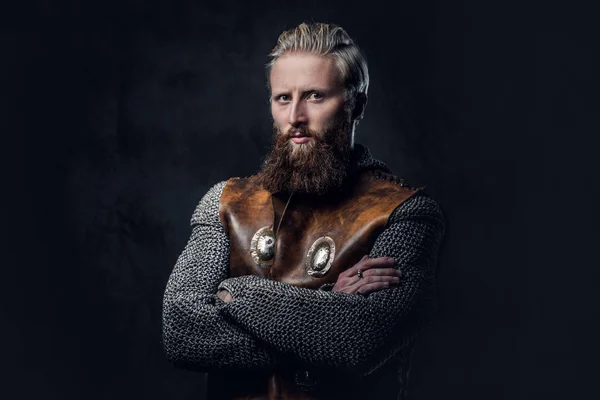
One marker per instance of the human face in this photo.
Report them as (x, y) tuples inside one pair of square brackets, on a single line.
[(307, 95)]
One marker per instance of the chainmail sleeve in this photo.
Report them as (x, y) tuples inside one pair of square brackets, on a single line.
[(195, 336), (351, 333)]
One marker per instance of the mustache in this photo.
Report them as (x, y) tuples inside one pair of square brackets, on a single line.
[(300, 131)]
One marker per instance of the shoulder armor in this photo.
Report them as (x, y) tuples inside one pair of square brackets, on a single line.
[(207, 210)]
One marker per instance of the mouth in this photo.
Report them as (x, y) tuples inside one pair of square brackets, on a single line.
[(301, 139)]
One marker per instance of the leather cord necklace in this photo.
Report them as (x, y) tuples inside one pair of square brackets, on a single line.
[(283, 214)]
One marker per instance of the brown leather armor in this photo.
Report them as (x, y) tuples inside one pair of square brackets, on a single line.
[(353, 218)]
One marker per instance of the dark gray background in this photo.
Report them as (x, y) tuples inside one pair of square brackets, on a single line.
[(117, 116)]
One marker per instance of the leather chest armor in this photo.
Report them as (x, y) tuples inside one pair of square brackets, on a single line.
[(306, 241), (352, 220)]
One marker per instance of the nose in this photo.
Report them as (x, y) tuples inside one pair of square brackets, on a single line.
[(297, 115)]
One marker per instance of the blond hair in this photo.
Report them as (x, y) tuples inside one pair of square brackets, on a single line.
[(326, 40)]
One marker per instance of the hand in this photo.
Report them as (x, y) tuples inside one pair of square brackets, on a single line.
[(377, 274), (224, 295)]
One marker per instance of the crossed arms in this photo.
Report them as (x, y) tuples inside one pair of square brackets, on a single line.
[(270, 323)]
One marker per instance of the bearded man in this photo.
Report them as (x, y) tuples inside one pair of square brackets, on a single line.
[(311, 278)]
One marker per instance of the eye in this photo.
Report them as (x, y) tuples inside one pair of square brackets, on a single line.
[(316, 96), (282, 98)]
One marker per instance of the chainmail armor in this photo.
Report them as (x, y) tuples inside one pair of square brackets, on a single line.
[(318, 330), (194, 333), (351, 333)]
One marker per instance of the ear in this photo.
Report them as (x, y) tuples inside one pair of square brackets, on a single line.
[(359, 106)]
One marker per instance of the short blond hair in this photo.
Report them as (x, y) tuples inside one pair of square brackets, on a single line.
[(327, 40)]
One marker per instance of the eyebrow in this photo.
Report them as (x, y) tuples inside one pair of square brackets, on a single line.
[(304, 92)]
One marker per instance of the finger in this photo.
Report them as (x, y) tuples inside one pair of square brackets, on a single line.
[(379, 278), (379, 262), (222, 294), (390, 272), (383, 271), (373, 287), (367, 263), (355, 286), (351, 272)]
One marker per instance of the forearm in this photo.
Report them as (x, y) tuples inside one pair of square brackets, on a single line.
[(195, 334), (348, 332)]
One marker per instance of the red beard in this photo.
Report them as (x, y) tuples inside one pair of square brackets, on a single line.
[(316, 167)]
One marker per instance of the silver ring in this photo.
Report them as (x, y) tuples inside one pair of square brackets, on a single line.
[(360, 274)]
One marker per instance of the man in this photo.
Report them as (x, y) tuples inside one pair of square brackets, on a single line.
[(310, 279)]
